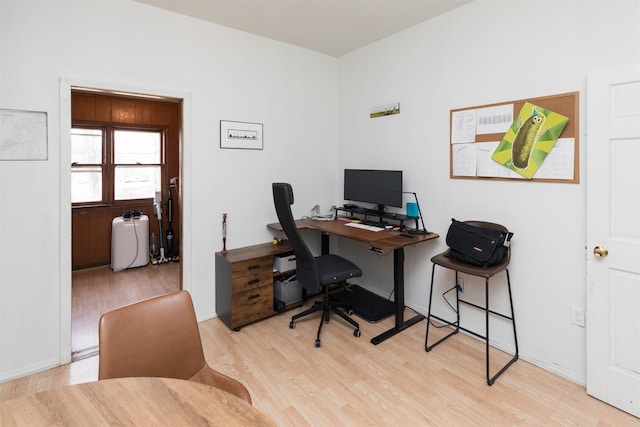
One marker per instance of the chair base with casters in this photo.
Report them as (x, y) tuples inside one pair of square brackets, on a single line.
[(445, 260), (327, 306)]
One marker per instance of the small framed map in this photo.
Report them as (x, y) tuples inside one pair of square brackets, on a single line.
[(23, 135)]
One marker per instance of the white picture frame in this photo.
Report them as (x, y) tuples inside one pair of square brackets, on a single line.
[(240, 135)]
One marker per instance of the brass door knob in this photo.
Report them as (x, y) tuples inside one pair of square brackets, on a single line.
[(600, 251)]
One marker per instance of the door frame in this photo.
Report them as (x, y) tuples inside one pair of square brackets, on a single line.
[(65, 278)]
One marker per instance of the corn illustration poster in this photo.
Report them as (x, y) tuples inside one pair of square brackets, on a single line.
[(529, 140)]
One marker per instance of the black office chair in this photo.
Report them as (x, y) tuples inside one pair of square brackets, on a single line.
[(445, 260), (314, 272)]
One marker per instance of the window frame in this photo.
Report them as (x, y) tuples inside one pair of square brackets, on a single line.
[(108, 165), (102, 164)]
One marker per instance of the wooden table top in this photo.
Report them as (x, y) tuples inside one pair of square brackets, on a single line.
[(382, 239), (133, 402)]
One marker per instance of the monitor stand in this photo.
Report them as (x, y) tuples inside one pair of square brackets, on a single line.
[(380, 208), (417, 231)]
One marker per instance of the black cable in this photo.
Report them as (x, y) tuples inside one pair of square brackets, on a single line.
[(445, 298), (135, 256)]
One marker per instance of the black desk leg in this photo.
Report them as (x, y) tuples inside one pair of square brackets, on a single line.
[(324, 243), (398, 290)]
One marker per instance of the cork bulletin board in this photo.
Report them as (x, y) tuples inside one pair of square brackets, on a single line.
[(533, 139)]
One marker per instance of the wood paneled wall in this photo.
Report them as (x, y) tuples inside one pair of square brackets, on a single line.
[(91, 225)]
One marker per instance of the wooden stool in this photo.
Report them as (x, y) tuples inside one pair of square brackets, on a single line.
[(447, 261)]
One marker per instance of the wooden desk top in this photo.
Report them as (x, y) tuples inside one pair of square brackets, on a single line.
[(132, 401), (383, 239), (255, 251)]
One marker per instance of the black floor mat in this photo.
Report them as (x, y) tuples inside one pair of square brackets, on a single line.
[(365, 304)]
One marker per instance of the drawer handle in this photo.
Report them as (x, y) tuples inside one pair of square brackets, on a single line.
[(253, 267), (254, 297), (253, 282)]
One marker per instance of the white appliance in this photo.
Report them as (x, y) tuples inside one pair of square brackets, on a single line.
[(129, 242)]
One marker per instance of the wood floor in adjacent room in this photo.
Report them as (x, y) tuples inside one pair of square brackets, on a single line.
[(350, 382), (98, 290)]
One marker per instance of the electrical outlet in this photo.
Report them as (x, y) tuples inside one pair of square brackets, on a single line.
[(577, 316), (460, 285)]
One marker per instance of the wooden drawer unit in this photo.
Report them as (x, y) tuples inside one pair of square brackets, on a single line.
[(244, 283)]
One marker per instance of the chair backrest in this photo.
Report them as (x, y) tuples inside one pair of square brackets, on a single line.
[(306, 268), (158, 337)]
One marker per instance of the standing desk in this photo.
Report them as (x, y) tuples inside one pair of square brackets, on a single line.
[(385, 240)]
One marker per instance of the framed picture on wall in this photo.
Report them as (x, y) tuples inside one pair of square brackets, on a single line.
[(23, 135), (242, 135)]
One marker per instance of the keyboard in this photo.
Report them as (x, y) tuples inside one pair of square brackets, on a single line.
[(363, 226)]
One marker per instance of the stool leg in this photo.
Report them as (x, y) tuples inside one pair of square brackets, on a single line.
[(428, 347), (491, 380), (486, 312), (426, 339), (513, 317)]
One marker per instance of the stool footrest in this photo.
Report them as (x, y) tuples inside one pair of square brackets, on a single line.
[(495, 313)]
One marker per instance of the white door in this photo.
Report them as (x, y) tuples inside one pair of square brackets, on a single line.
[(613, 237)]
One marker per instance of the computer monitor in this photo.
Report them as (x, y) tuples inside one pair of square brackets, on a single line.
[(381, 187)]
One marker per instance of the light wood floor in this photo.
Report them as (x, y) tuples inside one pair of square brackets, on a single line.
[(98, 290), (349, 381)]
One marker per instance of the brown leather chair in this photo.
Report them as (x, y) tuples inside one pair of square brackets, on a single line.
[(158, 337), (445, 260)]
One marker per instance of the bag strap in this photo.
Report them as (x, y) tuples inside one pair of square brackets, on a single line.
[(507, 240)]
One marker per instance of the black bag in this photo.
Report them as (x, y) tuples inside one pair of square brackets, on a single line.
[(477, 245)]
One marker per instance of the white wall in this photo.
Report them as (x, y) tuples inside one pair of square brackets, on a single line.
[(484, 52), (487, 52), (221, 73)]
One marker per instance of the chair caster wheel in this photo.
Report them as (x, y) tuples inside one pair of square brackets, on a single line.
[(292, 325), (356, 332), (318, 343)]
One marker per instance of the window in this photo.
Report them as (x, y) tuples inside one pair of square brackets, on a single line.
[(111, 164), (86, 165), (137, 160)]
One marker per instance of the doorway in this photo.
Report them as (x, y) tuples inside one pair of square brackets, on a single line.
[(112, 184), (98, 290)]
